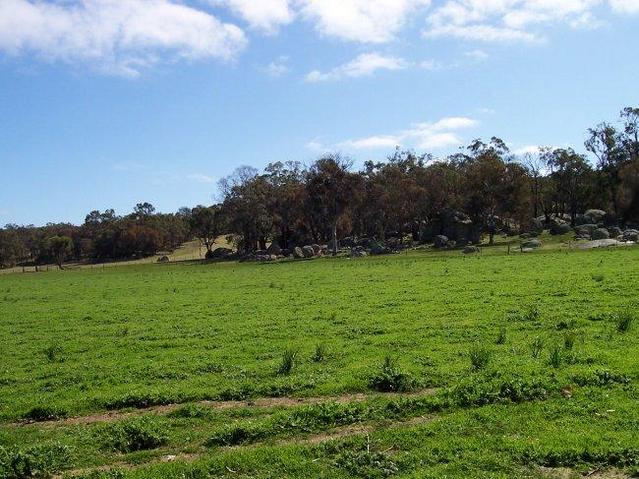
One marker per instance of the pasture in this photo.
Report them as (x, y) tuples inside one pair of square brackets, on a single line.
[(420, 365)]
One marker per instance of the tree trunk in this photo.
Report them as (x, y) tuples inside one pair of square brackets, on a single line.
[(335, 238)]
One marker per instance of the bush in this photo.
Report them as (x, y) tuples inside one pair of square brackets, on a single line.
[(53, 353), (569, 339), (134, 435), (320, 353), (483, 391), (624, 321), (555, 357), (479, 357), (45, 413), (390, 378), (36, 461), (601, 379), (537, 347), (288, 362), (366, 463)]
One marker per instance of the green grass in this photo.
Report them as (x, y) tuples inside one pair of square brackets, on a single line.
[(533, 355)]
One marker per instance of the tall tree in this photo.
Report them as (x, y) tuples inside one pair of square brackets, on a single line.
[(332, 190)]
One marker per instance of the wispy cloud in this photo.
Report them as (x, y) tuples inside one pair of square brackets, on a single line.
[(364, 65), (278, 67), (266, 16), (200, 178), (445, 133)]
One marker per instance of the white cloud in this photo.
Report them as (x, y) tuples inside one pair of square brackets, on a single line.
[(477, 55), (366, 21), (278, 67), (527, 150), (507, 20), (444, 133), (200, 178), (117, 36), (264, 15), (625, 6), (364, 65)]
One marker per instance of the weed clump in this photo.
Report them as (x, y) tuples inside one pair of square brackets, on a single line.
[(389, 378), (501, 338), (45, 413), (569, 339), (555, 357), (42, 460), (537, 347), (366, 463), (320, 353), (624, 321), (603, 378), (288, 362), (479, 357), (135, 435), (53, 353)]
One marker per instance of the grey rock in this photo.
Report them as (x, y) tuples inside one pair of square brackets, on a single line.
[(471, 250), (600, 234), (308, 251), (441, 241), (531, 244), (298, 253)]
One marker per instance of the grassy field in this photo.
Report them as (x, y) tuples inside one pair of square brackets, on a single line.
[(419, 365)]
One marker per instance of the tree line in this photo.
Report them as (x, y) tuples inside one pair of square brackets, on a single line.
[(408, 195)]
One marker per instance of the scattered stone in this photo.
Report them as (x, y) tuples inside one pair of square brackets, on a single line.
[(308, 251), (631, 235), (602, 243), (358, 252), (615, 231), (471, 250), (600, 234), (441, 241), (595, 216), (275, 249), (218, 253), (531, 244), (317, 249), (558, 227), (378, 248), (298, 253), (163, 259)]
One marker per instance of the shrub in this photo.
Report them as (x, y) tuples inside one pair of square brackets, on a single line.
[(532, 313), (483, 391), (569, 339), (537, 347), (288, 362), (320, 353), (42, 460), (624, 321), (390, 378), (366, 463), (134, 435), (235, 435), (191, 411), (53, 353), (501, 339), (45, 413), (479, 357), (601, 378), (555, 357)]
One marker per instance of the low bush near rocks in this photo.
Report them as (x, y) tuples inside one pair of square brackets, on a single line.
[(389, 378), (132, 435)]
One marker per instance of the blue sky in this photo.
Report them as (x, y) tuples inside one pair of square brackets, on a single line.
[(107, 103)]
